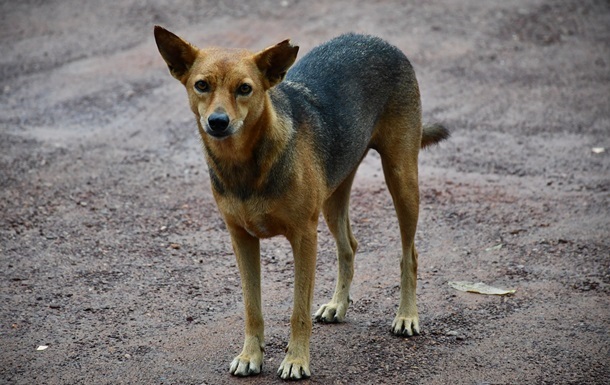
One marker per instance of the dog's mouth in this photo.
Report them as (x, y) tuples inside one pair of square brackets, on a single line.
[(218, 134), (222, 132)]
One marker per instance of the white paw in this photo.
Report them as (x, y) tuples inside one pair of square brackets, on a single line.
[(294, 368), (405, 326), (244, 365), (332, 312)]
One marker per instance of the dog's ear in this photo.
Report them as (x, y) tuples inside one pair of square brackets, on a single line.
[(177, 53), (274, 61)]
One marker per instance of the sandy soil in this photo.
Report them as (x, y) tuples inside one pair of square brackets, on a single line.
[(114, 256)]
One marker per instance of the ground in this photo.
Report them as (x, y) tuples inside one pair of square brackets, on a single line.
[(113, 254)]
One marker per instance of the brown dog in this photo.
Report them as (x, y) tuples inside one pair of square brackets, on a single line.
[(283, 146)]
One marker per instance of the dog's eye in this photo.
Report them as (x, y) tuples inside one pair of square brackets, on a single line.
[(202, 86), (244, 89)]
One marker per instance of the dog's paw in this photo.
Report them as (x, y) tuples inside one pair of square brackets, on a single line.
[(245, 365), (332, 312), (293, 368), (405, 326)]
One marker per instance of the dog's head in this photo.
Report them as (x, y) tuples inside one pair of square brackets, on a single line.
[(226, 88)]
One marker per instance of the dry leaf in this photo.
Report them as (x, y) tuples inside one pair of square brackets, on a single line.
[(479, 287), (496, 247)]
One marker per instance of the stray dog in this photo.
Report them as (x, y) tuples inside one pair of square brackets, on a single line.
[(283, 146)]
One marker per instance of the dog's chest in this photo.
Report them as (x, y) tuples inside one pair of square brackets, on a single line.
[(254, 217), (258, 229)]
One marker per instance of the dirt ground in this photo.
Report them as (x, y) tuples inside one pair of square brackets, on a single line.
[(113, 254)]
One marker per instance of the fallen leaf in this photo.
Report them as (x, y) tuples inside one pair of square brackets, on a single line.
[(496, 247), (479, 287)]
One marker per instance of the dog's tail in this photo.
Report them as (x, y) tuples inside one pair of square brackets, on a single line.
[(433, 133)]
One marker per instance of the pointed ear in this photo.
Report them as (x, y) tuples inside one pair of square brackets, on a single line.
[(275, 61), (177, 53)]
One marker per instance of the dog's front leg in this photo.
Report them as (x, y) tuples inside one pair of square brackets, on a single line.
[(296, 363), (247, 252)]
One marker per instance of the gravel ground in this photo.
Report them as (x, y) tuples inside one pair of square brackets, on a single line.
[(113, 254)]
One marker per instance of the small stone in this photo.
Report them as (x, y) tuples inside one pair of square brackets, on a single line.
[(451, 333)]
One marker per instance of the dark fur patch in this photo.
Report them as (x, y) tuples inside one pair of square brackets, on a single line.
[(239, 179), (360, 74)]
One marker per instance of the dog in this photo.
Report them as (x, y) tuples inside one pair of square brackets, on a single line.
[(283, 145)]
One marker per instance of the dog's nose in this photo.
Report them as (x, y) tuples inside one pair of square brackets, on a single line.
[(218, 122)]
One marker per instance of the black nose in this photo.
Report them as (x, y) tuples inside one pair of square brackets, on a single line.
[(218, 122)]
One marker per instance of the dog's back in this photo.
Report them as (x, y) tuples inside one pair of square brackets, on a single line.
[(340, 90)]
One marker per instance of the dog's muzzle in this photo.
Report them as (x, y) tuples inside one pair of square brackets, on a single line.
[(217, 125)]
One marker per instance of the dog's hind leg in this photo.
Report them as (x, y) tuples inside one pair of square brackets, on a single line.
[(336, 213), (401, 178), (398, 142)]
